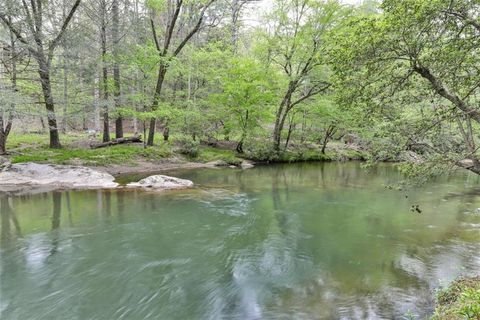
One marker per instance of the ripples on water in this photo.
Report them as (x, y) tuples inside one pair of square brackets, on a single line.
[(313, 241)]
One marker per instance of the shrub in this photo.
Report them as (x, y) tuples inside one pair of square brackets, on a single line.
[(187, 146)]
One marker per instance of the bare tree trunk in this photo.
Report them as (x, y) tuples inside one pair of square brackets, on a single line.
[(65, 79), (65, 95), (277, 131), (162, 71), (96, 104), (6, 118), (329, 132), (103, 39), (239, 147), (116, 68), (291, 126), (44, 73), (281, 115)]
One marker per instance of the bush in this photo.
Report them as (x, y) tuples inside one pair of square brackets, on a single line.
[(460, 300), (187, 146), (260, 151)]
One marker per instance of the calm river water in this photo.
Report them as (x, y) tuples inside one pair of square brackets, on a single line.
[(300, 241)]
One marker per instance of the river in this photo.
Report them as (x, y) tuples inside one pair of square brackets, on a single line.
[(297, 241)]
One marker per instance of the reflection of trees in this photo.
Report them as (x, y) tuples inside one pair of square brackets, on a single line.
[(104, 205), (56, 213), (9, 222), (120, 205), (69, 208)]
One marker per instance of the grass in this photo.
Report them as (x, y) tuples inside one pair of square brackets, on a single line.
[(34, 148), (207, 154), (460, 300)]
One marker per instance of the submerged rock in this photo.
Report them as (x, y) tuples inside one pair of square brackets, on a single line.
[(218, 163), (55, 176), (246, 164), (161, 182)]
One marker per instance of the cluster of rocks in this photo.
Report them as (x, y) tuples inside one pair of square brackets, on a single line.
[(221, 163), (34, 176), (25, 177)]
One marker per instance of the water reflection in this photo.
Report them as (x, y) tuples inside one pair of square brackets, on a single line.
[(277, 242), (10, 227)]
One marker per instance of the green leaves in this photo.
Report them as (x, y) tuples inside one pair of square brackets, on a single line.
[(246, 93), (158, 5)]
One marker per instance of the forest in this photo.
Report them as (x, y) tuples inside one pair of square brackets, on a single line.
[(285, 80)]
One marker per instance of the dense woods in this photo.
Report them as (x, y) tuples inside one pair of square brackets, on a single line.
[(396, 79)]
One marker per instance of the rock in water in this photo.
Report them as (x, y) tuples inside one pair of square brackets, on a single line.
[(161, 182), (58, 176), (246, 165), (4, 164)]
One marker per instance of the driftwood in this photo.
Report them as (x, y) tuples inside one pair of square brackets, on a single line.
[(116, 141)]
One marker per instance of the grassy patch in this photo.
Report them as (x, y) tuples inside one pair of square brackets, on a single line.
[(207, 154), (460, 300), (34, 148)]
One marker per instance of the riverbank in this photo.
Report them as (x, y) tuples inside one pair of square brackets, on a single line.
[(460, 300), (164, 156)]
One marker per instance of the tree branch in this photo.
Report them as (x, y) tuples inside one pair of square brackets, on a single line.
[(57, 39), (194, 30)]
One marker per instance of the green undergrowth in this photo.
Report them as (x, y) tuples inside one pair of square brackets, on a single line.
[(121, 154), (34, 148), (460, 300), (207, 154)]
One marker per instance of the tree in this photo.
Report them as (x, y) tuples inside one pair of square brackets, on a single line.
[(176, 10), (10, 64), (116, 67), (294, 43), (419, 57), (246, 95), (29, 27)]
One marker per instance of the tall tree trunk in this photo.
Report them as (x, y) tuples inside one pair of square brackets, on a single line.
[(277, 131), (116, 68), (236, 9), (44, 73), (65, 79), (291, 126), (4, 132), (162, 71), (331, 129), (103, 38), (281, 115), (65, 95), (96, 103), (6, 118), (239, 147)]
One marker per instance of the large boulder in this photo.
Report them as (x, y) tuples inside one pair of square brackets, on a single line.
[(161, 182), (55, 176)]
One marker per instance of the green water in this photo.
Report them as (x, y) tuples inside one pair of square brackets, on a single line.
[(306, 241)]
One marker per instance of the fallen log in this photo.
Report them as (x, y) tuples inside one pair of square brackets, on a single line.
[(116, 141)]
